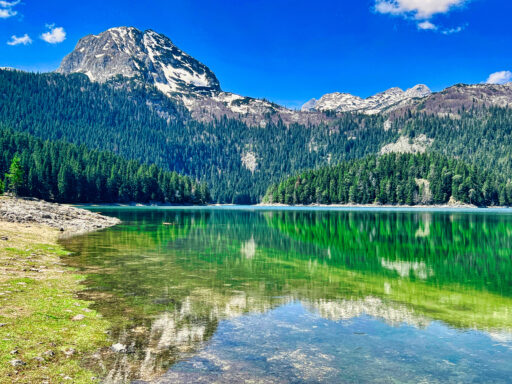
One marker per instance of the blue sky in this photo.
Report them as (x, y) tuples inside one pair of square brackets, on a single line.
[(286, 51)]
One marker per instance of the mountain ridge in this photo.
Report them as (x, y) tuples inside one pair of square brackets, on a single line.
[(153, 59), (346, 102)]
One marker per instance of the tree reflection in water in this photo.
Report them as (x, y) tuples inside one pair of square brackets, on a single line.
[(167, 278)]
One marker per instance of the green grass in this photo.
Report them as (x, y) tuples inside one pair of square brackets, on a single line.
[(37, 304)]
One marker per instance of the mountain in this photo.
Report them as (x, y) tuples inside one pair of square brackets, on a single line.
[(345, 102), (137, 95), (395, 102), (237, 161), (146, 55), (128, 57), (462, 97), (152, 59)]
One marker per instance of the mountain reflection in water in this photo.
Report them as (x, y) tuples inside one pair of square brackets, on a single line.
[(185, 289)]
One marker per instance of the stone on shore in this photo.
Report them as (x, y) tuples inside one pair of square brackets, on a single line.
[(67, 219)]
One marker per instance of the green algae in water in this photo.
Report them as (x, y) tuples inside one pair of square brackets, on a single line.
[(303, 296)]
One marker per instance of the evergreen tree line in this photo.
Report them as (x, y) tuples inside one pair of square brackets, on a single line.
[(395, 179), (137, 124), (141, 124), (62, 172)]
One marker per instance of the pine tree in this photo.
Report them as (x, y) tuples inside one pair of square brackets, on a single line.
[(15, 175)]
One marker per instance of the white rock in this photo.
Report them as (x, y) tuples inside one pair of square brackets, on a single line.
[(118, 348)]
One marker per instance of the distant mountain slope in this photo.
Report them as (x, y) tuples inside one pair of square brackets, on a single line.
[(463, 97), (345, 102), (152, 58)]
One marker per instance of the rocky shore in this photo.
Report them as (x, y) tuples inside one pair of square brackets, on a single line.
[(65, 218)]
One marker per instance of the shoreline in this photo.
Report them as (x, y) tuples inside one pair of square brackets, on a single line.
[(67, 219), (384, 206), (48, 332), (297, 206)]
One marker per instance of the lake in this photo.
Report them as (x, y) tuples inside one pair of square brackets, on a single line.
[(205, 295)]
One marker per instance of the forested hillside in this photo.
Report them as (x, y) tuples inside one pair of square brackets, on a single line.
[(62, 172), (481, 137), (395, 179), (239, 162)]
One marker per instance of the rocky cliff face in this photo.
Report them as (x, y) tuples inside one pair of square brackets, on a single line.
[(148, 56)]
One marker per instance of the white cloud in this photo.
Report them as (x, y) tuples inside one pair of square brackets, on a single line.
[(15, 40), (6, 10), (54, 35), (8, 4), (501, 77), (419, 9), (6, 13), (451, 31), (427, 25)]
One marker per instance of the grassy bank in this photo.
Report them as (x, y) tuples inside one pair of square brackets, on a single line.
[(46, 333)]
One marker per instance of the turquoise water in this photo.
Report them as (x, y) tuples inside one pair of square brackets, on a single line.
[(289, 296)]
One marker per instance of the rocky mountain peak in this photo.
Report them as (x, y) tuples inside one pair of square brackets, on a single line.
[(391, 91), (418, 91), (147, 55), (152, 59), (345, 102)]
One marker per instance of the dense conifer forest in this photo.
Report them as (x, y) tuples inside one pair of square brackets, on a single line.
[(237, 161), (481, 137), (395, 179), (117, 118), (63, 172)]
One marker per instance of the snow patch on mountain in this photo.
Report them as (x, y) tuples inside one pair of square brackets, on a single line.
[(152, 59), (345, 102)]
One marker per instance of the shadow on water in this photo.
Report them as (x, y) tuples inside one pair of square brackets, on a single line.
[(209, 295)]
